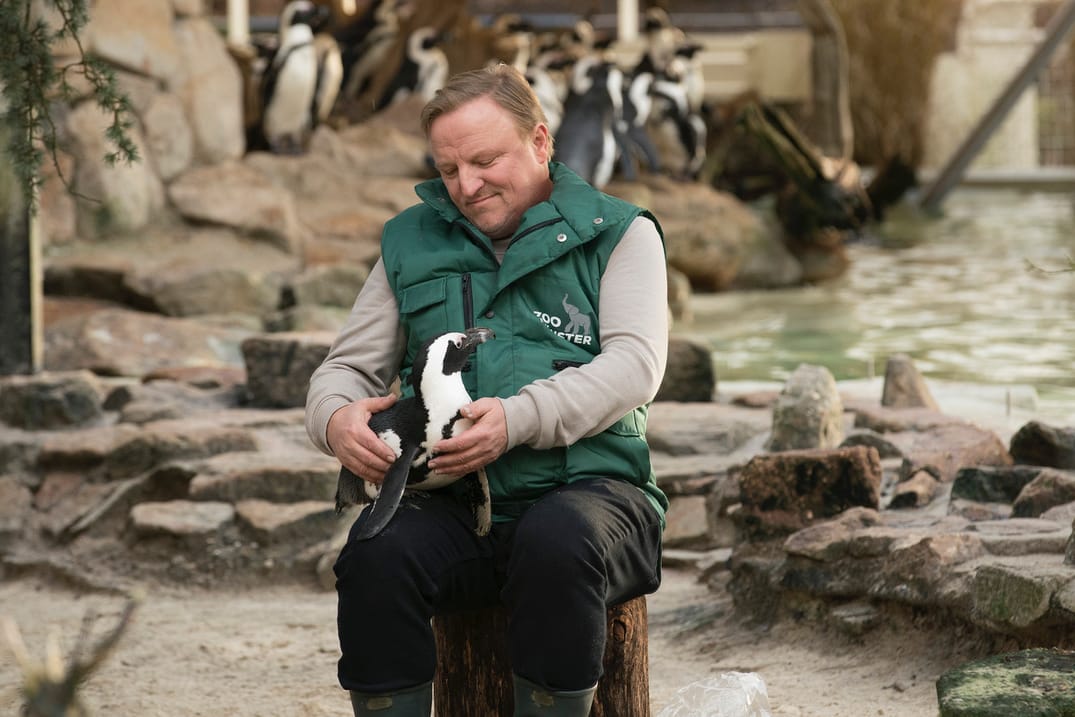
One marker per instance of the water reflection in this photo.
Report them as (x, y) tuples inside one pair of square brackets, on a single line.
[(953, 292)]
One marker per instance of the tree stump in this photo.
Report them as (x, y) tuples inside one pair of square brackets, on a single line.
[(474, 674)]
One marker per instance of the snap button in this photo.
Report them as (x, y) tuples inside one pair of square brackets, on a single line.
[(561, 238), (598, 220), (490, 314)]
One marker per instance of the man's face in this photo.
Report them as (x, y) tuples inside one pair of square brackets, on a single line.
[(493, 174)]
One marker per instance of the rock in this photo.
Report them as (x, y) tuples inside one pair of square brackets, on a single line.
[(293, 523), (181, 518), (233, 195), (831, 539), (985, 484), (119, 342), (687, 522), (168, 136), (210, 87), (689, 375), (1022, 536), (374, 149), (1030, 682), (679, 296), (160, 400), (915, 492), (16, 503), (167, 441), (278, 477), (50, 400), (945, 448), (706, 231), (866, 437), (279, 366), (1011, 593), (1049, 488), (904, 386), (767, 262), (136, 34), (332, 285), (784, 492), (125, 196), (855, 618), (808, 412), (81, 450), (1039, 444), (705, 429)]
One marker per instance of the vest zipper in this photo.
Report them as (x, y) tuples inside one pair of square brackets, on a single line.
[(468, 303), (539, 225)]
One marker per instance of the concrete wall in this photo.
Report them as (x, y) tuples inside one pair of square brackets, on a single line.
[(995, 38)]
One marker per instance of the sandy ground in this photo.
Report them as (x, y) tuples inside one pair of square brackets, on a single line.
[(272, 653)]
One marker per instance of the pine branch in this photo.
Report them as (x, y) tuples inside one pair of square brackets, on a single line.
[(30, 81)]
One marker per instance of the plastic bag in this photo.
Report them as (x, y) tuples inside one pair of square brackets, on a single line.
[(730, 694)]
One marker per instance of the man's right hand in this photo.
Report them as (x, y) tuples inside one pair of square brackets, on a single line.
[(355, 445)]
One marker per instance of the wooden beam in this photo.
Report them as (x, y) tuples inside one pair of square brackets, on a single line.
[(238, 23), (20, 277), (952, 172), (626, 20)]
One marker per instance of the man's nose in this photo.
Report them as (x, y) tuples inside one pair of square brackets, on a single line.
[(470, 181)]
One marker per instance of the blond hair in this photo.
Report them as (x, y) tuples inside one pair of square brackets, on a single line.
[(502, 83)]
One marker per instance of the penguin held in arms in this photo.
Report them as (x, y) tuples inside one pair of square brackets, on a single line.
[(289, 87), (413, 425)]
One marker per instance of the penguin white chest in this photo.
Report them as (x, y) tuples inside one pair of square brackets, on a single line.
[(288, 111)]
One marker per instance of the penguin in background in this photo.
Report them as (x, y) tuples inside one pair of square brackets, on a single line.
[(412, 426), (329, 77), (586, 140), (424, 69), (689, 125), (365, 44), (290, 83), (632, 138)]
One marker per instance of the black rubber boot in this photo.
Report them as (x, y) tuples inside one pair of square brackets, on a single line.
[(534, 701), (412, 702)]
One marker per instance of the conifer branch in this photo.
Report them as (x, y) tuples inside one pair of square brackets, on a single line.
[(30, 81)]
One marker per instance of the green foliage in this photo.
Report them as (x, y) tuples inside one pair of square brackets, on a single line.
[(31, 81)]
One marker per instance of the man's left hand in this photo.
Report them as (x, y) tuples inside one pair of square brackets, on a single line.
[(476, 447)]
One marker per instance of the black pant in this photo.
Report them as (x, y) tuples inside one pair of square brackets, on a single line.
[(579, 549)]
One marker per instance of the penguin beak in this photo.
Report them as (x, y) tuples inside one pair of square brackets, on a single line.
[(477, 335)]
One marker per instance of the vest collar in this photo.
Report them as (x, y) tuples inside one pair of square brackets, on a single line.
[(572, 200)]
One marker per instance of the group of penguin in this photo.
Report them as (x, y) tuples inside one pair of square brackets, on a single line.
[(601, 115), (310, 65)]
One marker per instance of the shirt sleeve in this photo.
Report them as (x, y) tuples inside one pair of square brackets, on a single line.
[(363, 360), (633, 314)]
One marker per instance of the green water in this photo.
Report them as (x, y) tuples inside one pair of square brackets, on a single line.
[(954, 292)]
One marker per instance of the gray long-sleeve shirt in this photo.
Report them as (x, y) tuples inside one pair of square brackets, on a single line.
[(575, 403)]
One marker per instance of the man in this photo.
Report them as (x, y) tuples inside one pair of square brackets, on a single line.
[(510, 240)]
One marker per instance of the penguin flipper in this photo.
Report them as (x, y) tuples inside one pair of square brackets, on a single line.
[(384, 507)]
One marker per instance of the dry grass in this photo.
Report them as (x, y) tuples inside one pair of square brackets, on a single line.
[(893, 45)]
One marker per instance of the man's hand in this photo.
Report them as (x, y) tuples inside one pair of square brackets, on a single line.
[(476, 447), (355, 445)]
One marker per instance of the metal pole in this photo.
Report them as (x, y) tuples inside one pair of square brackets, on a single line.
[(950, 175), (626, 20), (238, 23)]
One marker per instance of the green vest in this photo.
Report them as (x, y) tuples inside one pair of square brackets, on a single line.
[(542, 299)]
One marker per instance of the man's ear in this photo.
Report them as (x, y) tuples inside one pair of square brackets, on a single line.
[(540, 139)]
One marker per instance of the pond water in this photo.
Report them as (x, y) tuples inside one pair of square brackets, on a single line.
[(956, 292)]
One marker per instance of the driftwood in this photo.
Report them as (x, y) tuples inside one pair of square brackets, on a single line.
[(819, 196), (474, 674)]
